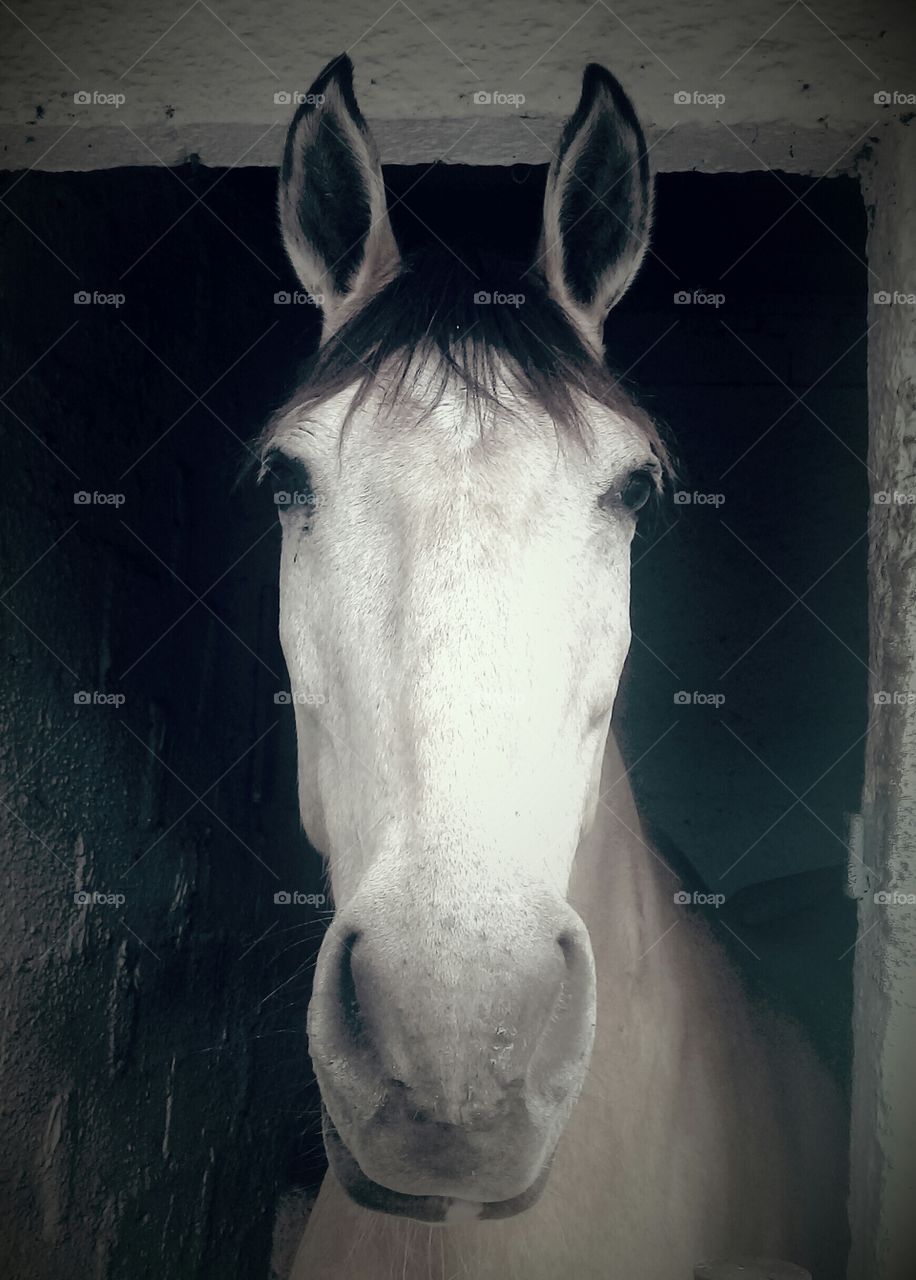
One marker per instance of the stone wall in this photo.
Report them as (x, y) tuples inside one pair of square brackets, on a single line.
[(154, 1090)]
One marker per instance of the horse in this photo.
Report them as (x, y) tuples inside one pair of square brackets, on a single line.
[(534, 1061)]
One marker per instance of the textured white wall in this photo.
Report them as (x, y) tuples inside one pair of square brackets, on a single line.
[(884, 1102), (798, 80)]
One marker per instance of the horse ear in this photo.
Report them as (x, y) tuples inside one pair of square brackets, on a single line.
[(598, 205), (333, 212)]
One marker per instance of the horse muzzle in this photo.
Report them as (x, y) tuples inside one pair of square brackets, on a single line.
[(449, 1055)]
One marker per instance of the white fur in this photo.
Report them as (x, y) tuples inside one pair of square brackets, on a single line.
[(462, 604), (706, 1128), (479, 577), (455, 619)]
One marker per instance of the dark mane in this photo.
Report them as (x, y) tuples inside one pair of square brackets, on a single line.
[(431, 319)]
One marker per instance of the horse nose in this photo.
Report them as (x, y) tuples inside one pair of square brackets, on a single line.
[(457, 1021)]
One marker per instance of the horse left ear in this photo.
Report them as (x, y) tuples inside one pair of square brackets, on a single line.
[(598, 205), (333, 212)]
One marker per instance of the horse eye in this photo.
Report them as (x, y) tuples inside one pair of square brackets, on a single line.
[(291, 484), (638, 490)]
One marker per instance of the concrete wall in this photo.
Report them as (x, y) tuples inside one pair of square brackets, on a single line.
[(884, 1102), (153, 1068), (798, 80)]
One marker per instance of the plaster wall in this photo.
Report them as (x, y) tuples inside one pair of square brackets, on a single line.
[(797, 82), (884, 1098)]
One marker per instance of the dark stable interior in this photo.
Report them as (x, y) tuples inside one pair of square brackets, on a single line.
[(757, 597)]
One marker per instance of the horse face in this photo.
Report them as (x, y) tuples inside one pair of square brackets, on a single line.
[(454, 617)]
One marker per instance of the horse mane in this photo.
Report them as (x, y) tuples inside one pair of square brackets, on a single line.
[(431, 321)]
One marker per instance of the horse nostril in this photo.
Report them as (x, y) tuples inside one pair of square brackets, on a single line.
[(349, 999), (575, 953), (567, 944)]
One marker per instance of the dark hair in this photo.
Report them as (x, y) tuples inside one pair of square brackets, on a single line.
[(453, 311)]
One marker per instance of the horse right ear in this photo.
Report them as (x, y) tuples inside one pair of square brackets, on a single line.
[(597, 206), (333, 212)]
